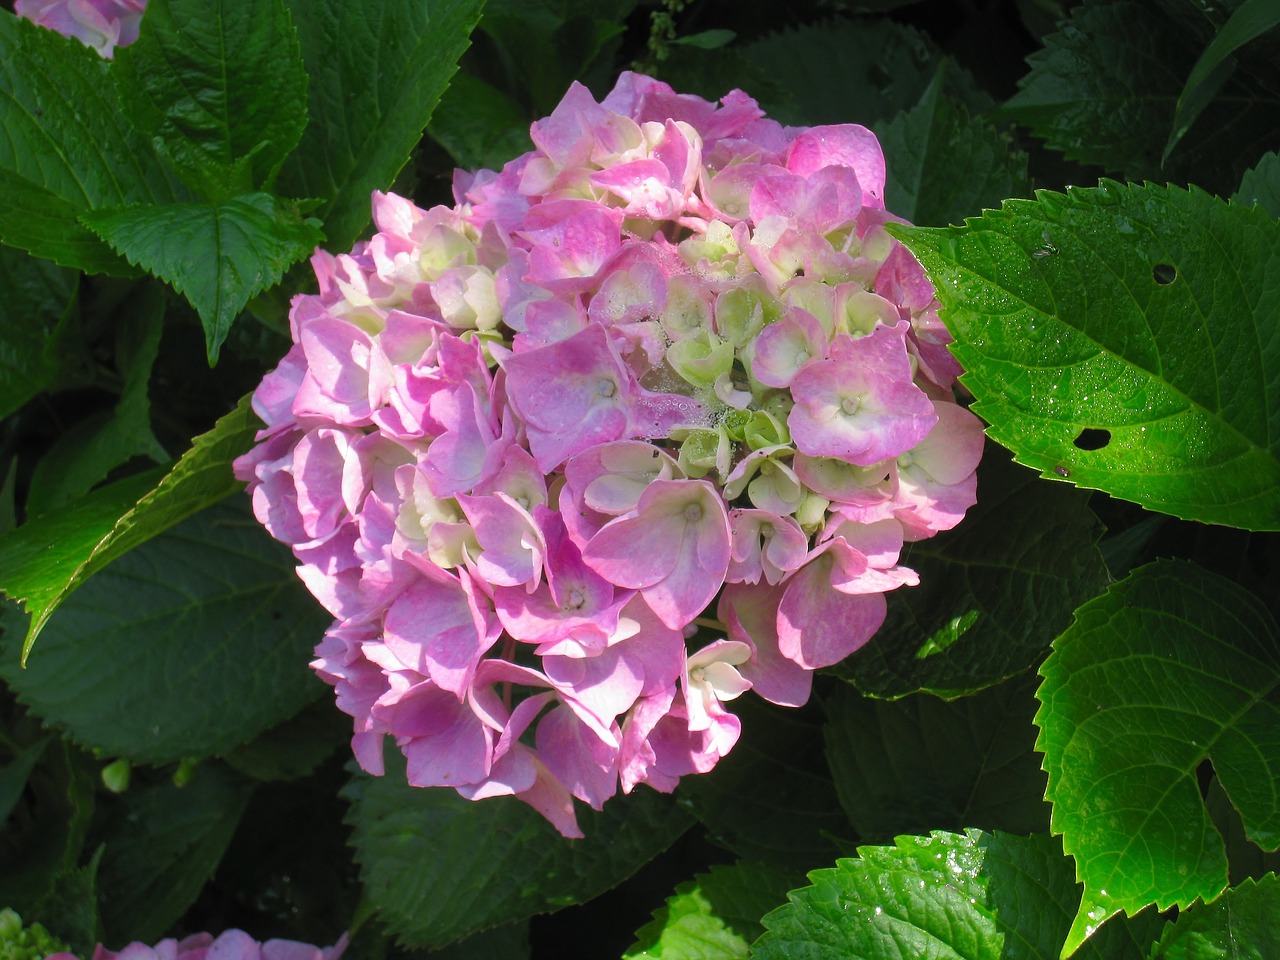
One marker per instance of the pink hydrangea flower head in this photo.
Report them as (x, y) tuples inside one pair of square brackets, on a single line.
[(228, 945), (100, 24), (636, 428)]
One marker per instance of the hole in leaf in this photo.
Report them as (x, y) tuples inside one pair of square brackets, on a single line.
[(1204, 776), (1164, 273), (1092, 439)]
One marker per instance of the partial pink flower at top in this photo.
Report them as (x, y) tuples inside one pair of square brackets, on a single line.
[(100, 24), (636, 428)]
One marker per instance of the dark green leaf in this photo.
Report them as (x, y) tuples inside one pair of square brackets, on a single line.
[(70, 909), (1260, 185), (219, 84), (83, 455), (480, 125), (65, 148), (922, 763), (771, 798), (707, 39), (843, 71), (33, 316), (14, 774), (974, 896), (1244, 924), (45, 833), (507, 942), (49, 557), (944, 166), (1112, 76), (296, 747), (1172, 666), (375, 72), (715, 916), (993, 592), (489, 861), (218, 255), (163, 844), (1248, 22), (144, 658), (1122, 337)]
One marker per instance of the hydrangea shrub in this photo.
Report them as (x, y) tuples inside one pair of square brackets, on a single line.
[(228, 945), (642, 423)]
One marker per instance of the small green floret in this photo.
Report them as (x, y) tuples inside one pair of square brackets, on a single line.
[(29, 943)]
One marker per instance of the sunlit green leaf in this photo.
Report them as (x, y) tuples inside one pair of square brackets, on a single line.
[(217, 254), (714, 916), (1123, 338), (1172, 666)]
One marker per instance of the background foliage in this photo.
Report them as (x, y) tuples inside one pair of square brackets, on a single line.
[(1066, 739)]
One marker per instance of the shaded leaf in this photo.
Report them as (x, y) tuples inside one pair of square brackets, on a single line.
[(219, 84), (771, 799), (1260, 185), (944, 165), (1122, 337), (365, 116), (47, 558), (1247, 22), (144, 658), (33, 316), (83, 455), (218, 254), (492, 861), (45, 832), (480, 125), (921, 763), (993, 592), (844, 71), (14, 774), (715, 916), (1244, 924), (1113, 74), (165, 843), (1172, 666)]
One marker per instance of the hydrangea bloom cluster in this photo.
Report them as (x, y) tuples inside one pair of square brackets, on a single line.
[(228, 945), (101, 24), (640, 424)]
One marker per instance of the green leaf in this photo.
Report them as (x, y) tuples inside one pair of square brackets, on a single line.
[(993, 592), (918, 763), (45, 833), (845, 70), (144, 659), (66, 149), (33, 318), (480, 125), (491, 861), (1119, 337), (83, 455), (376, 70), (1260, 185), (164, 843), (1172, 666), (14, 775), (1244, 924), (715, 916), (772, 799), (974, 896), (942, 165), (218, 254), (1113, 74), (1248, 22), (220, 86), (70, 908), (47, 558)]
